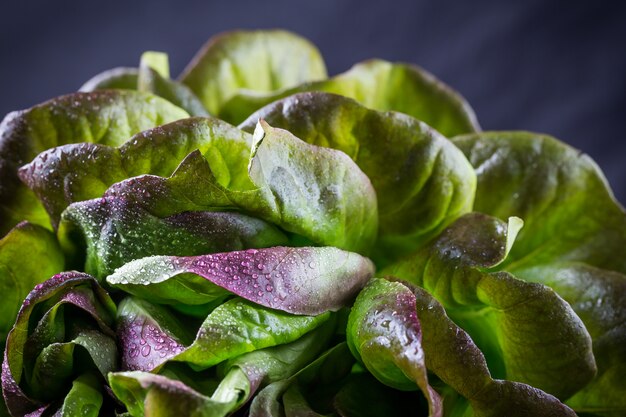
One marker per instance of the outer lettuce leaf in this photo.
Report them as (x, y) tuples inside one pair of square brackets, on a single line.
[(251, 61), (383, 86), (85, 171), (574, 229), (318, 193), (422, 181), (598, 296), (448, 352), (45, 352), (529, 333), (115, 232), (306, 280), (20, 273), (384, 334), (108, 117)]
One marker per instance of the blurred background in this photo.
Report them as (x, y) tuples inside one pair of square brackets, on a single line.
[(557, 67)]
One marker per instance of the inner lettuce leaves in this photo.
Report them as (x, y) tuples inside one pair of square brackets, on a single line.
[(422, 181), (528, 333), (306, 280), (250, 62), (47, 354), (84, 171), (573, 230), (378, 85), (106, 117), (315, 192)]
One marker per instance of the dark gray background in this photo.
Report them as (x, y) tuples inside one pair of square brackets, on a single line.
[(546, 66)]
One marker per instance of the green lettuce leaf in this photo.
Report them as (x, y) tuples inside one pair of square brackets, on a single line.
[(239, 326), (422, 181), (107, 117), (446, 349), (529, 333), (154, 77), (85, 171), (20, 273), (573, 229), (383, 86), (305, 280), (150, 395), (84, 399), (247, 62), (45, 351)]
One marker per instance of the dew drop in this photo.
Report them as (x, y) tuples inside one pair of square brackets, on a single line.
[(145, 351)]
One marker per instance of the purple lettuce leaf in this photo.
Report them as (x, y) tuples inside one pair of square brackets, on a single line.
[(384, 333), (106, 233), (305, 280), (148, 334)]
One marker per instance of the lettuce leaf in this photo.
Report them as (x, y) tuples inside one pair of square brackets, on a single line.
[(107, 117), (249, 62), (305, 280), (383, 86), (422, 181), (85, 171), (106, 233)]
